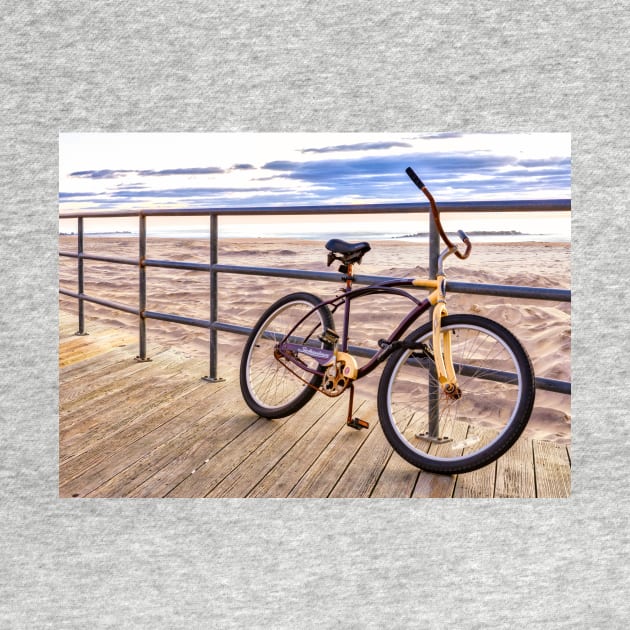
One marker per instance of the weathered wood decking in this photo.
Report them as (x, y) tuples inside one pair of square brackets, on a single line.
[(156, 429)]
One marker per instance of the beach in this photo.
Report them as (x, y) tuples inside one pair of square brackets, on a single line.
[(544, 328)]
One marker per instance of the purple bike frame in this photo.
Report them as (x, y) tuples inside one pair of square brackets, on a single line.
[(289, 351)]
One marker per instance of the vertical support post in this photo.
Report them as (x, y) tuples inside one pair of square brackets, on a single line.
[(80, 283), (142, 288), (434, 386), (434, 248), (214, 298)]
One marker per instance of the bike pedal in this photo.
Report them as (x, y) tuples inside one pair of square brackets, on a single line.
[(330, 336), (357, 423)]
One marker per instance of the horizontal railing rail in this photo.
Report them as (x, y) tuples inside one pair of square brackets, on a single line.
[(214, 268), (367, 208)]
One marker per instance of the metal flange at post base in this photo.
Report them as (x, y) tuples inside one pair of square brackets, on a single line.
[(213, 379)]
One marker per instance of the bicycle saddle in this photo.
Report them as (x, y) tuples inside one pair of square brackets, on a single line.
[(351, 252)]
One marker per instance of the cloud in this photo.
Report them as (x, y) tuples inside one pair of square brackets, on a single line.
[(188, 193), (362, 146), (74, 195), (324, 179), (111, 174), (441, 136), (437, 165), (532, 172), (546, 162), (101, 174), (167, 193), (127, 186), (208, 170), (383, 177), (193, 197)]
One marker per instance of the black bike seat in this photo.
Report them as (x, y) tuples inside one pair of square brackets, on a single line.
[(337, 246)]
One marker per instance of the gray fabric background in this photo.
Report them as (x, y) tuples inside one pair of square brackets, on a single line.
[(300, 66)]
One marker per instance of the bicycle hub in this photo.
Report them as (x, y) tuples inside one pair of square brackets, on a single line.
[(452, 391)]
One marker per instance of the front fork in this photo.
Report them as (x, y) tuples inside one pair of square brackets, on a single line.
[(442, 342)]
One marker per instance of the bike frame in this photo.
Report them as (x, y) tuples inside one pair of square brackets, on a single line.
[(446, 372)]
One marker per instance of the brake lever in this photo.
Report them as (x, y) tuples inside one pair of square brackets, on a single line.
[(466, 242)]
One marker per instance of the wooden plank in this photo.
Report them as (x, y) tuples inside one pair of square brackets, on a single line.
[(322, 476), (477, 484), (289, 470), (68, 326), (92, 388), (210, 474), (515, 472), (119, 444), (242, 479), (553, 470), (77, 350), (363, 472), (435, 486), (100, 384), (116, 411), (207, 475), (397, 479), (92, 344), (172, 462), (97, 332), (104, 422), (103, 363), (86, 427), (69, 321), (172, 454), (115, 355)]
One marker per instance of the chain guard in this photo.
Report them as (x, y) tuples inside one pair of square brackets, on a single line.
[(337, 377)]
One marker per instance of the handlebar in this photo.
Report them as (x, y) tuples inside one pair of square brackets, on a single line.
[(436, 217)]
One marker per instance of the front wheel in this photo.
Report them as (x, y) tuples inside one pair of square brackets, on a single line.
[(270, 389), (457, 434)]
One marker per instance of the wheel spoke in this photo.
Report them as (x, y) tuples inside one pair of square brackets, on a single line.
[(270, 388), (496, 382)]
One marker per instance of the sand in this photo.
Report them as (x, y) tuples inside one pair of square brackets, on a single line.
[(544, 328)]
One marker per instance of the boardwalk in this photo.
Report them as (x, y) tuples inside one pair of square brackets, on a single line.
[(156, 429)]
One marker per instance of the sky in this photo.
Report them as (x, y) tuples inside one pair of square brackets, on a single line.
[(109, 171)]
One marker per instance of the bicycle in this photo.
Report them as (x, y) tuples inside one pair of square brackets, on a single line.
[(454, 395)]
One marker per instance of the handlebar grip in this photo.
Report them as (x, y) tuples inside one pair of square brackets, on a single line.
[(414, 178)]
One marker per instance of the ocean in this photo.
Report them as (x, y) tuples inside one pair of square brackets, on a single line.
[(482, 221)]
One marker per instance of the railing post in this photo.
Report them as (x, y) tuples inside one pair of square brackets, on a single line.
[(214, 297), (434, 247), (434, 387), (142, 288), (80, 286)]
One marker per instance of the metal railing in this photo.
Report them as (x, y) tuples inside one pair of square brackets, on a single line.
[(214, 268)]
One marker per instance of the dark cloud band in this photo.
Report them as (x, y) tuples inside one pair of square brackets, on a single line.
[(111, 174), (362, 146)]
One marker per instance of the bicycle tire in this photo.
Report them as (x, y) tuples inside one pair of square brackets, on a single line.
[(497, 385), (269, 389)]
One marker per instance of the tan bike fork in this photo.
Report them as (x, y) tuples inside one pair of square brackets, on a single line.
[(442, 344)]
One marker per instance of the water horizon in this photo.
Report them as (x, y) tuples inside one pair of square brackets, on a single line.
[(547, 220)]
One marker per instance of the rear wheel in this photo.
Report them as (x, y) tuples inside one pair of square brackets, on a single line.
[(451, 434), (270, 389)]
